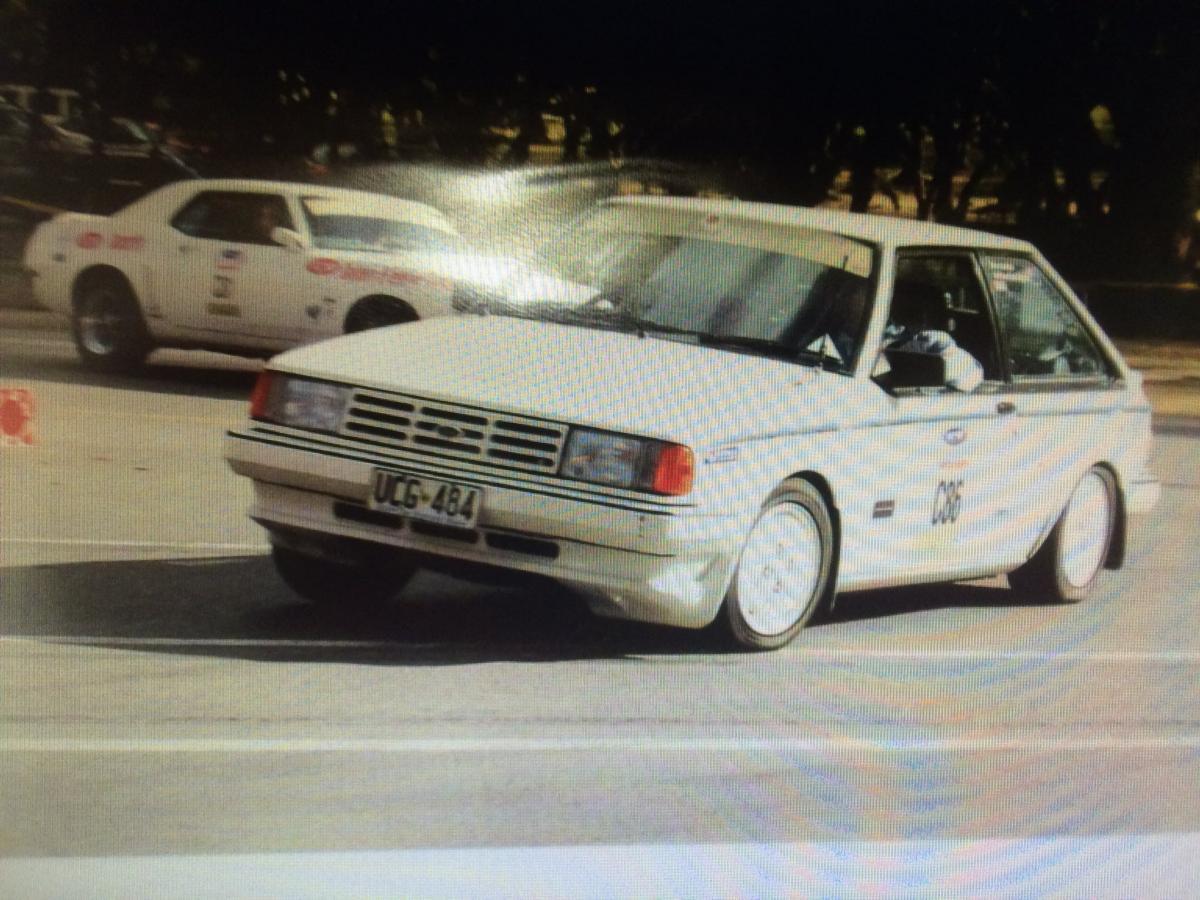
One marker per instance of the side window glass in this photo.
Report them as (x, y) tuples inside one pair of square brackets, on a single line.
[(234, 217), (1045, 336), (943, 293), (259, 215), (192, 220)]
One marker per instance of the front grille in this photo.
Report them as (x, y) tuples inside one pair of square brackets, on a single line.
[(437, 429), (519, 543), (356, 513)]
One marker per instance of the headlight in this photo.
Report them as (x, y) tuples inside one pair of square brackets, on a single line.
[(285, 400), (606, 458)]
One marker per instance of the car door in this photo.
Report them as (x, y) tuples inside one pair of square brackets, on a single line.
[(229, 268), (945, 492), (1065, 394)]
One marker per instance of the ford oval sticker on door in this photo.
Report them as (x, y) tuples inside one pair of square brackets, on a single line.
[(955, 436)]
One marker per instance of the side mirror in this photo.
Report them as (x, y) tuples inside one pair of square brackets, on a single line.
[(286, 237)]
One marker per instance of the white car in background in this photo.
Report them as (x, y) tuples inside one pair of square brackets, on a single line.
[(758, 408), (251, 267)]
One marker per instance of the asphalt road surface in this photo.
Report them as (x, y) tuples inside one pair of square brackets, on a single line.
[(173, 720)]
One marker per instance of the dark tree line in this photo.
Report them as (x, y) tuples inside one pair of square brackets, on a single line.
[(1078, 124)]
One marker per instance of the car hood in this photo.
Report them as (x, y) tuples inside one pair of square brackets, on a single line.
[(605, 379)]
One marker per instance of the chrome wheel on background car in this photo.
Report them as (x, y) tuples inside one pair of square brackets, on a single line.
[(108, 327), (783, 575), (1067, 564)]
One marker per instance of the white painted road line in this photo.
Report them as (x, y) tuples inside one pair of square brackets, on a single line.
[(1114, 656), (507, 745), (1099, 656), (1126, 865), (269, 643), (168, 545)]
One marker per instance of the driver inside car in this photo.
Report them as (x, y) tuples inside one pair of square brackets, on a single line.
[(846, 298), (913, 325)]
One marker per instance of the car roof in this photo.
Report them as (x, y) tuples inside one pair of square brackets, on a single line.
[(409, 210), (885, 231)]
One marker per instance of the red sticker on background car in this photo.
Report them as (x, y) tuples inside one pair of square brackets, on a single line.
[(90, 240), (323, 266), (16, 417), (326, 267), (127, 242)]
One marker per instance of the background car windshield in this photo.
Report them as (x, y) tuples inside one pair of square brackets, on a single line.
[(342, 232), (712, 287)]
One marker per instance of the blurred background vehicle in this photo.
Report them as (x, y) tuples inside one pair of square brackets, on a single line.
[(247, 266), (14, 144)]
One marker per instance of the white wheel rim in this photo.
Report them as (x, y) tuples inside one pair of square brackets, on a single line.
[(1086, 527), (779, 570)]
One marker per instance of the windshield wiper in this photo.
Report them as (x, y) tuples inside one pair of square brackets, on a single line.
[(605, 309), (649, 326), (765, 346), (773, 348)]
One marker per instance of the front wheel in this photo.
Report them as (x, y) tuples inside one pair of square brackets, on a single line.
[(784, 574), (331, 584), (107, 324), (1066, 566)]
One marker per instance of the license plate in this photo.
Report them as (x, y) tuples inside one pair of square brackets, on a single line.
[(425, 498)]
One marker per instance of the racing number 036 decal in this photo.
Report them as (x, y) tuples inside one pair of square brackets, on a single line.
[(947, 502)]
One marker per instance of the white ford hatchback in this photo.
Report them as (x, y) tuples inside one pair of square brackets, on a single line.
[(716, 408)]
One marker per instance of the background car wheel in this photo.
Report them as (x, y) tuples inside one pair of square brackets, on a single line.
[(378, 312), (107, 324), (331, 584), (784, 574), (1067, 564)]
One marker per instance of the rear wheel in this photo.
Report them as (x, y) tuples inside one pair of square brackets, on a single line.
[(378, 312), (107, 324), (1066, 566), (330, 584), (785, 571)]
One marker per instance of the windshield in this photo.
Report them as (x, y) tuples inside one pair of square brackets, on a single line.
[(378, 235), (781, 291)]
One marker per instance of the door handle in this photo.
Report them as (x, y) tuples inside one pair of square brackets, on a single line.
[(1006, 407), (184, 248)]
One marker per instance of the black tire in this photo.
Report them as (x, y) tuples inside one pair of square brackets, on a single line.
[(795, 503), (1064, 569), (329, 584), (106, 322), (378, 312)]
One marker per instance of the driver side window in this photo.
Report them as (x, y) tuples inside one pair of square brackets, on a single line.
[(235, 217), (938, 333), (943, 292)]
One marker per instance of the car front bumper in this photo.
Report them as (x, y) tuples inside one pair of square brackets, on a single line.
[(1141, 496), (669, 565)]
